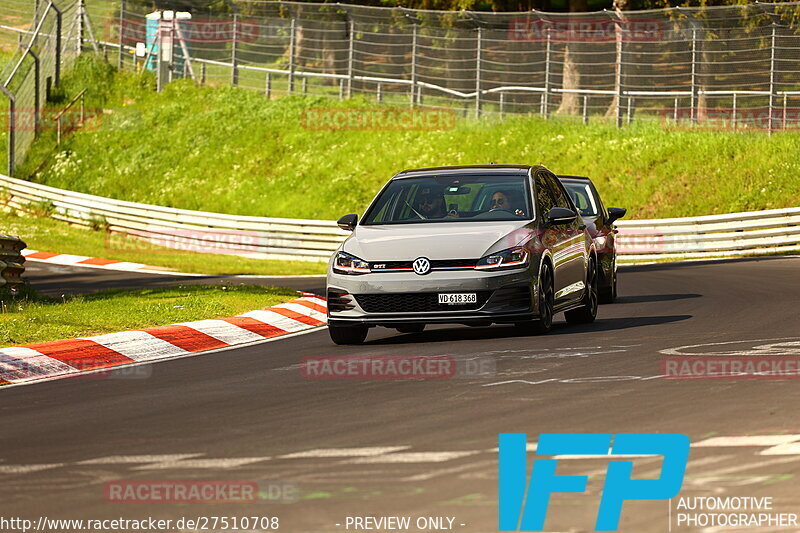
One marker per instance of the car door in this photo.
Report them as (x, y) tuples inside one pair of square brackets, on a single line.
[(572, 247)]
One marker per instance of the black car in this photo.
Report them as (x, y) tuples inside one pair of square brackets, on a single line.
[(599, 222)]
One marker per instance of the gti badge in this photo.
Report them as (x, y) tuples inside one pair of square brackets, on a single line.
[(422, 266)]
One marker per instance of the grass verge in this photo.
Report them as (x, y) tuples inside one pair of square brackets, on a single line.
[(32, 318), (49, 235), (233, 151)]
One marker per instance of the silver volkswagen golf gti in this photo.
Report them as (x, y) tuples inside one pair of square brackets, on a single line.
[(471, 245)]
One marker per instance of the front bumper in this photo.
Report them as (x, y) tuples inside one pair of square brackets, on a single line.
[(399, 298)]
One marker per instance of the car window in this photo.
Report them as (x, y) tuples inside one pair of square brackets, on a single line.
[(454, 198), (544, 198), (583, 197), (558, 193)]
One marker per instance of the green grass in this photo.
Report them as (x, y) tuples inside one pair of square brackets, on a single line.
[(37, 319), (48, 235), (233, 151)]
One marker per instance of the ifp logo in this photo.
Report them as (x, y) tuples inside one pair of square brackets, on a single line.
[(523, 504)]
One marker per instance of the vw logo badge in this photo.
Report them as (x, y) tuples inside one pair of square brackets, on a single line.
[(422, 266)]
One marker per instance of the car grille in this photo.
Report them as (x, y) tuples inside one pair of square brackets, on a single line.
[(415, 302), (465, 264)]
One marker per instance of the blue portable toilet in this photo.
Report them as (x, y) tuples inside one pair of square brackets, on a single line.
[(153, 23)]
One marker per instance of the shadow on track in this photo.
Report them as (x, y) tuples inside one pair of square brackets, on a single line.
[(643, 298), (499, 332), (703, 262)]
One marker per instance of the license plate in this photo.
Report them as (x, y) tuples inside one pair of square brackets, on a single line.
[(459, 298)]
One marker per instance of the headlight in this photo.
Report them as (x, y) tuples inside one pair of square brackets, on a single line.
[(349, 264), (511, 258)]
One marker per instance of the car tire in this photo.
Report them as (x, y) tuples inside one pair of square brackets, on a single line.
[(609, 294), (344, 335), (411, 328), (546, 304), (587, 312)]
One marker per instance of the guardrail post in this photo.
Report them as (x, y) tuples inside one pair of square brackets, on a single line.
[(121, 29), (546, 94), (414, 66), (378, 94), (675, 111), (341, 89), (733, 119), (502, 103), (693, 80), (203, 74), (291, 57), (234, 49), (479, 45), (350, 54), (770, 122), (305, 85), (630, 109), (268, 86)]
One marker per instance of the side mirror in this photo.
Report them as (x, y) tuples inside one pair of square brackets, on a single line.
[(615, 213), (560, 215), (348, 222)]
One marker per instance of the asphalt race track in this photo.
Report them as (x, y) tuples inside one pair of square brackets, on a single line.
[(425, 447)]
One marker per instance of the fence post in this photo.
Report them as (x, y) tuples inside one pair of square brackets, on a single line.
[(305, 85), (350, 54), (772, 80), (784, 110), (121, 58), (502, 103), (59, 25), (268, 87), (414, 66), (37, 73), (630, 109), (341, 90), (81, 28), (619, 66), (734, 111), (479, 45), (160, 59), (546, 95), (693, 81), (234, 49), (585, 109), (203, 74), (291, 57), (11, 126)]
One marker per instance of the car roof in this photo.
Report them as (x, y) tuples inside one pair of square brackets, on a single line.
[(573, 178), (468, 170)]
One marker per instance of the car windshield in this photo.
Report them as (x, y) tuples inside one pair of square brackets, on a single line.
[(452, 199), (582, 197)]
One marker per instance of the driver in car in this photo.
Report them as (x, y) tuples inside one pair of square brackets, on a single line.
[(501, 200), (431, 204)]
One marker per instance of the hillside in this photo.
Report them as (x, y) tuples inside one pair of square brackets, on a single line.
[(234, 151)]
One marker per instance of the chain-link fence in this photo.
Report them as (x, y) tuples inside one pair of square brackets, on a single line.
[(736, 66), (727, 67), (45, 45)]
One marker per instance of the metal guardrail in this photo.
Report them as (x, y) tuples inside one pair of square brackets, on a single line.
[(734, 234), (256, 237), (750, 233), (12, 262)]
